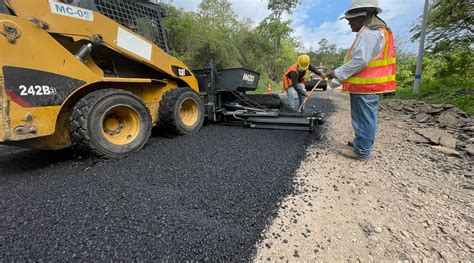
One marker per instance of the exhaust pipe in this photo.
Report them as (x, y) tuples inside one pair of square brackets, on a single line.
[(84, 52)]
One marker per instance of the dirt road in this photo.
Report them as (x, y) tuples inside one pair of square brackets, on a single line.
[(408, 203), (235, 194)]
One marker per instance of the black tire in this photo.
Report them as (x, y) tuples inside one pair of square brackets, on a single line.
[(172, 105), (92, 113), (323, 85), (310, 85)]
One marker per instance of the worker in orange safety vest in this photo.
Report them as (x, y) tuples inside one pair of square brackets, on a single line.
[(368, 73), (294, 80)]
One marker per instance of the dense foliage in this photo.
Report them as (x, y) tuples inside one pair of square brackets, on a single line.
[(450, 25), (328, 55), (448, 66), (215, 32)]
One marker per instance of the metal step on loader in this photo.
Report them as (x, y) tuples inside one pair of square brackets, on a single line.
[(98, 75)]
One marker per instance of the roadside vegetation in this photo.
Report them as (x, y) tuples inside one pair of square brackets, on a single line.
[(448, 66), (215, 32)]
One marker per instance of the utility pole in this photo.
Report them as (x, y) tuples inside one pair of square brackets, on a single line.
[(421, 51)]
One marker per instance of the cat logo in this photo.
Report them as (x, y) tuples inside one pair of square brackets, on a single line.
[(181, 72)]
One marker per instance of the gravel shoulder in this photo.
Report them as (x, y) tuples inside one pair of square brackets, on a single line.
[(409, 202)]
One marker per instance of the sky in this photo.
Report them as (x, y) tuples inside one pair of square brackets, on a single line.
[(317, 19)]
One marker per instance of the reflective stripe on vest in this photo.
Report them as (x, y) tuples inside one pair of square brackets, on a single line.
[(365, 81), (379, 75), (380, 63)]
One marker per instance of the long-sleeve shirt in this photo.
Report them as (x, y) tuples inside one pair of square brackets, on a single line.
[(368, 45), (298, 78)]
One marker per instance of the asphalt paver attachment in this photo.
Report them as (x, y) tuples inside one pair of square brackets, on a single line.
[(226, 101)]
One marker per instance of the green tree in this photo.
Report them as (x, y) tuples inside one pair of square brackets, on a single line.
[(448, 66), (279, 7), (450, 38), (208, 34), (328, 54), (278, 33), (274, 22), (214, 32), (275, 29), (219, 13), (326, 48), (450, 25), (253, 47), (183, 34)]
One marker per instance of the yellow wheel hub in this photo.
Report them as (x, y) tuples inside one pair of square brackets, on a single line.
[(189, 112), (121, 125)]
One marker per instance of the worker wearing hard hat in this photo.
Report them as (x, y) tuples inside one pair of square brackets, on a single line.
[(294, 81), (368, 72)]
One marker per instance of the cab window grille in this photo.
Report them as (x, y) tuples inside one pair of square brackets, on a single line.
[(4, 8), (145, 19)]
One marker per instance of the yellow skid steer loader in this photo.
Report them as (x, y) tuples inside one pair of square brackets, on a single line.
[(71, 75), (98, 74)]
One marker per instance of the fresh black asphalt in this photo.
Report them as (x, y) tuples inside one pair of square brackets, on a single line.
[(208, 196)]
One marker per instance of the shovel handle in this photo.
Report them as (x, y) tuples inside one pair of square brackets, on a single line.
[(311, 93)]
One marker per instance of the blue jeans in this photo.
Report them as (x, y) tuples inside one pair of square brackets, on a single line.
[(291, 97), (364, 122)]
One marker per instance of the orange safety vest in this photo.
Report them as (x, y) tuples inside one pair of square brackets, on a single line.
[(287, 82), (379, 76)]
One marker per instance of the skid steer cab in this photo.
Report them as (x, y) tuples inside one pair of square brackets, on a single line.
[(94, 74)]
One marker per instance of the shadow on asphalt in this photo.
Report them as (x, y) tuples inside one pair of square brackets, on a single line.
[(16, 160), (207, 196)]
